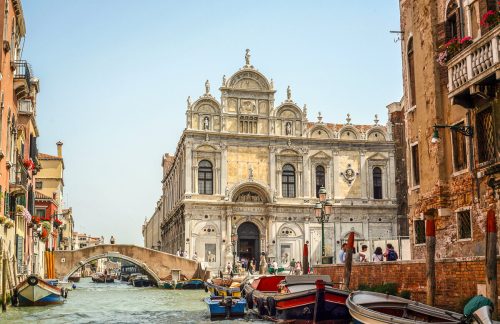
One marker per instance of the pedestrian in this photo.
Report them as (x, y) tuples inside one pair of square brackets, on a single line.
[(178, 253), (262, 264), (112, 240), (252, 267), (228, 267), (390, 254), (362, 254), (292, 266), (275, 267), (378, 256), (195, 256), (298, 268), (342, 253)]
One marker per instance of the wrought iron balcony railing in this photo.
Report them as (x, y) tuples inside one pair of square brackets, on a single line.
[(474, 64), (19, 176), (22, 70)]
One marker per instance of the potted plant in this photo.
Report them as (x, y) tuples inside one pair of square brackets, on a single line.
[(35, 219), (3, 219), (9, 223), (57, 223), (490, 19), (44, 235), (452, 48)]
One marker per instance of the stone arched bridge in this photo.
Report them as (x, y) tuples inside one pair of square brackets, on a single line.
[(158, 265)]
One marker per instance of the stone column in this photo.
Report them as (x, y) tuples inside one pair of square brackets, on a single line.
[(195, 178), (223, 169), (336, 173), (188, 168), (272, 169), (364, 175), (278, 180), (307, 175), (391, 178)]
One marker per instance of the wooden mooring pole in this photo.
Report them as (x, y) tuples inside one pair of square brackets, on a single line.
[(348, 260), (491, 260), (430, 273), (305, 259), (5, 266)]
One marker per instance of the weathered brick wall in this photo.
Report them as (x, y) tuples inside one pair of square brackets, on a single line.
[(457, 279)]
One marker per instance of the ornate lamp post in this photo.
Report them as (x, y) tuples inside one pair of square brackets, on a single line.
[(322, 211), (234, 241)]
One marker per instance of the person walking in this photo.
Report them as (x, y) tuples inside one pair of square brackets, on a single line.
[(262, 264), (195, 256), (112, 240), (292, 266), (378, 256), (298, 268), (390, 254), (342, 253), (362, 255)]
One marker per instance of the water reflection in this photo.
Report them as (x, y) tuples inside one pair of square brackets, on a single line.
[(120, 303)]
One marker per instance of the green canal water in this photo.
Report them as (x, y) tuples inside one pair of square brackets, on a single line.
[(120, 303)]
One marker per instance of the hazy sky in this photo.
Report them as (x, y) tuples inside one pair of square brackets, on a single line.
[(115, 75)]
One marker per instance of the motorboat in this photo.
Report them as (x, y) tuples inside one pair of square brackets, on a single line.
[(193, 284), (305, 298), (141, 281), (225, 306), (223, 288), (377, 308), (34, 291), (102, 278)]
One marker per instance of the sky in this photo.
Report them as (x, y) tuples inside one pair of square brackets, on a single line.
[(115, 75)]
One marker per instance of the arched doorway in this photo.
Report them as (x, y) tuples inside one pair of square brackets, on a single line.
[(249, 242)]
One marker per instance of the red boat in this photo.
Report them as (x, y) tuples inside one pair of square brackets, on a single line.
[(304, 298)]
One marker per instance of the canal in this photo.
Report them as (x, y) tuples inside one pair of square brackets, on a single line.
[(119, 303)]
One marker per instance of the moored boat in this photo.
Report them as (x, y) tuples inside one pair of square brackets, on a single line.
[(141, 281), (306, 298), (371, 307), (230, 290), (225, 306), (35, 291), (193, 284), (102, 278)]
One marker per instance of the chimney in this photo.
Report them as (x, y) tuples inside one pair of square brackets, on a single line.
[(59, 149)]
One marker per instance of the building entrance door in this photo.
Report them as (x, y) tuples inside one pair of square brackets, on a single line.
[(249, 242)]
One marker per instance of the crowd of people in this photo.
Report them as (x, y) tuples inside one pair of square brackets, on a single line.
[(390, 254)]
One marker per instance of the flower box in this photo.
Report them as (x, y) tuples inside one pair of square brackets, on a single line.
[(452, 48)]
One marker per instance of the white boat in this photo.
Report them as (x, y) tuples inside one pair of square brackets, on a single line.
[(35, 291), (376, 308)]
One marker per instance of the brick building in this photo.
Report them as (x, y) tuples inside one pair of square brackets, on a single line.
[(451, 80)]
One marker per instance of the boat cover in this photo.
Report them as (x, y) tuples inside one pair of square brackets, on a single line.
[(306, 279)]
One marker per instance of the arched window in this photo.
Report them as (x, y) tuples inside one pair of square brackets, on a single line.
[(288, 181), (453, 21), (411, 73), (377, 183), (205, 178), (320, 178)]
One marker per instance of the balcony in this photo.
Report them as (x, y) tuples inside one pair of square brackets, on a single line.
[(22, 78), (476, 68), (18, 178), (25, 106)]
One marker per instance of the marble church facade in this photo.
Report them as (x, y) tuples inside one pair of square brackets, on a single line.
[(247, 164)]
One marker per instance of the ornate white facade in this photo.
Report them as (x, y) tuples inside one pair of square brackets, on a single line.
[(248, 162)]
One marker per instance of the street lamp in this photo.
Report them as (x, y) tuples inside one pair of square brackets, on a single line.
[(234, 240), (465, 130), (322, 211)]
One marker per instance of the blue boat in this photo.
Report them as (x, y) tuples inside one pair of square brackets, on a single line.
[(219, 306), (35, 291)]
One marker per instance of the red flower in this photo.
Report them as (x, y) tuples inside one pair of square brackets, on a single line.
[(466, 39), (490, 19)]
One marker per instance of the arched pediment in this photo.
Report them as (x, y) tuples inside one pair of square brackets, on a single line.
[(206, 105), (320, 132), (376, 135), (288, 111), (250, 192), (289, 230), (205, 148), (288, 152), (349, 133), (249, 79)]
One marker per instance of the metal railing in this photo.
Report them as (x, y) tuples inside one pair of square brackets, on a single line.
[(22, 70), (19, 175)]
